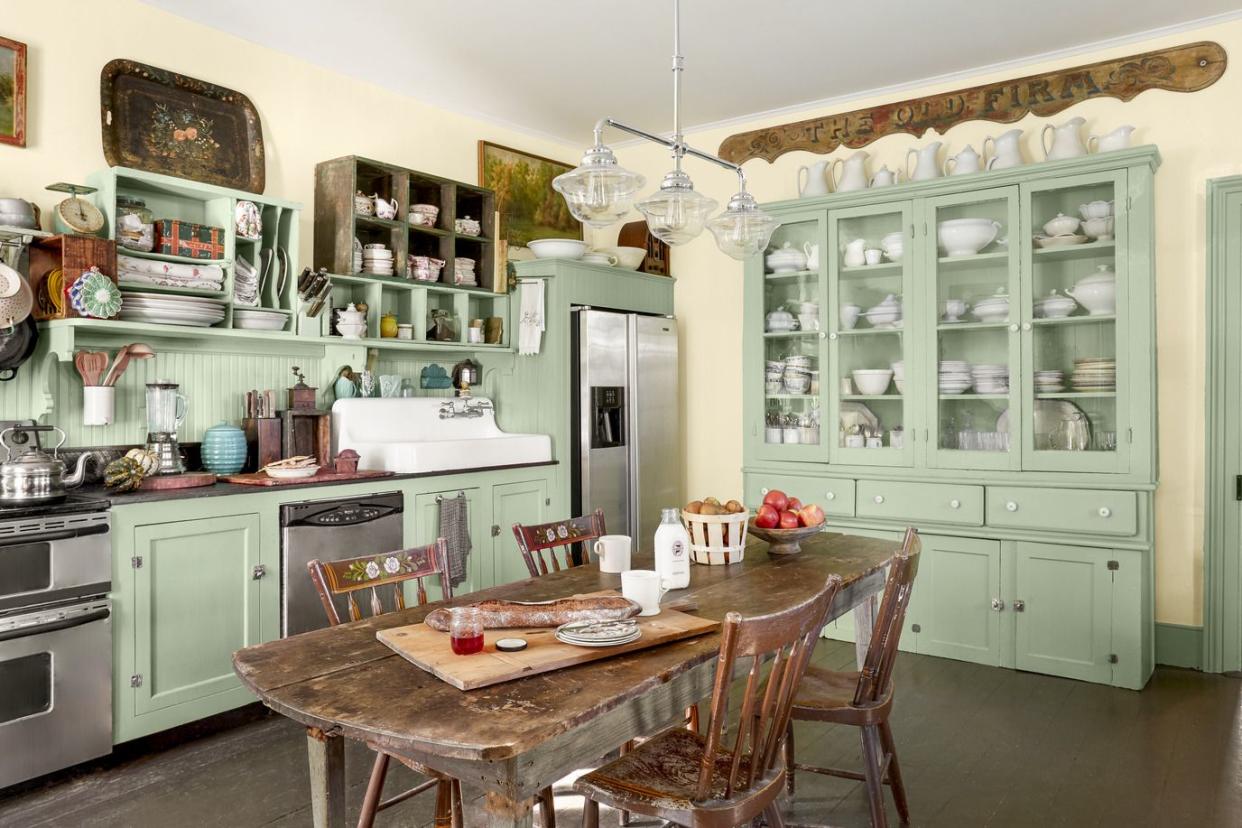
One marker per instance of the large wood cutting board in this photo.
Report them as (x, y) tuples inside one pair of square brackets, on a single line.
[(430, 649)]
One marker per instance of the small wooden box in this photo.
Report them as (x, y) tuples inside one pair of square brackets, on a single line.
[(263, 441), (73, 255), (308, 432)]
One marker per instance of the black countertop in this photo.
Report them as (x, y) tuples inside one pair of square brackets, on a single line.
[(222, 489)]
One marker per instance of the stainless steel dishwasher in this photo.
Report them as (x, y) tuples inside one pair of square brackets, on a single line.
[(330, 530)]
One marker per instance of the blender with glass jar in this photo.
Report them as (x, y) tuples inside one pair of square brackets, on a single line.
[(165, 411)]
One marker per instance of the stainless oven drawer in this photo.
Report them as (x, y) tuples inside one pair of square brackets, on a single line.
[(54, 559)]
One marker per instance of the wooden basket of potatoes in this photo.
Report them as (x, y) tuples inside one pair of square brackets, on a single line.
[(717, 531)]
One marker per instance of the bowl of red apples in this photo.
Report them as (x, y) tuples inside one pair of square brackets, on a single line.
[(784, 522)]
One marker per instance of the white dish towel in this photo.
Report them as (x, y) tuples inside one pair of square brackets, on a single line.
[(530, 321)]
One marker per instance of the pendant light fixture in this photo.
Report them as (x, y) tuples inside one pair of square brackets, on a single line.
[(599, 191)]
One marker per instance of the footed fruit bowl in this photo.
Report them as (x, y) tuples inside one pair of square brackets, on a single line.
[(785, 541)]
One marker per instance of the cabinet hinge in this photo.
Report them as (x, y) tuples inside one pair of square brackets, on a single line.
[(1130, 435), (495, 530), (912, 230), (547, 501), (1112, 658), (136, 562), (916, 628), (135, 680), (1237, 487), (1113, 566)]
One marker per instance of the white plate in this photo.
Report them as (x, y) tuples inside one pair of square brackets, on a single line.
[(292, 474), (1058, 241), (637, 635), (171, 297)]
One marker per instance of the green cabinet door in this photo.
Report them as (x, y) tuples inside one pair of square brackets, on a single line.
[(1063, 611), (512, 503), (952, 602), (427, 529), (196, 601)]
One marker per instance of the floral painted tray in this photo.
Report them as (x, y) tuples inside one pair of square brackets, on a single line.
[(163, 122)]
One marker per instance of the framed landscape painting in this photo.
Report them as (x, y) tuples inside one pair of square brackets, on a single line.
[(529, 208), (12, 92)]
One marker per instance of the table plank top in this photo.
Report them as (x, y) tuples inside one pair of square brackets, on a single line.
[(342, 679)]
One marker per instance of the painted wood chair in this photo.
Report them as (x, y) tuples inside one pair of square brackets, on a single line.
[(864, 699), (720, 779), (535, 540), (377, 574)]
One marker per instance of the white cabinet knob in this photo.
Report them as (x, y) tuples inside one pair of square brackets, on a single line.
[(1013, 328), (879, 498), (955, 503), (832, 335), (1026, 326), (1012, 506), (763, 491), (1105, 512), (830, 495)]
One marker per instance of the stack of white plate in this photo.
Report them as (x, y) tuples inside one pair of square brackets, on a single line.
[(171, 309), (599, 633), (990, 378), (991, 309), (259, 320), (1094, 374), (377, 260), (955, 376), (1049, 381), (463, 272)]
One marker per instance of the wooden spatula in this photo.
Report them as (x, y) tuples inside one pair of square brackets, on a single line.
[(91, 365)]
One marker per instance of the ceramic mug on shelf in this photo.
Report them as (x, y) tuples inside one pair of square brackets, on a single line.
[(642, 586), (613, 553)]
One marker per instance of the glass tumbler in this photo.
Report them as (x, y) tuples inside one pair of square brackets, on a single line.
[(466, 630)]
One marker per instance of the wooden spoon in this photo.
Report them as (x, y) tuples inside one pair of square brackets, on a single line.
[(91, 365), (135, 350)]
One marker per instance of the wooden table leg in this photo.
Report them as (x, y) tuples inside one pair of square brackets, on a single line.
[(864, 620), (496, 810), (326, 754)]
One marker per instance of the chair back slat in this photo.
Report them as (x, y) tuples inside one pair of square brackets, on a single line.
[(372, 572), (876, 676), (785, 638), (537, 539)]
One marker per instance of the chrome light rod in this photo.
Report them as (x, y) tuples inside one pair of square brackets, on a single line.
[(679, 148)]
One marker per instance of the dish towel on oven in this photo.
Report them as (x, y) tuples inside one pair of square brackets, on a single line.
[(530, 321), (455, 529)]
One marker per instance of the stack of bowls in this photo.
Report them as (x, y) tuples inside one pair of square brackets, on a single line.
[(425, 268), (899, 376), (994, 308), (424, 215), (955, 377), (463, 272), (990, 378), (377, 260), (774, 376), (1049, 381), (893, 246), (797, 374)]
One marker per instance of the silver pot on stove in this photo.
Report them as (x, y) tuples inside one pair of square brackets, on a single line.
[(31, 475)]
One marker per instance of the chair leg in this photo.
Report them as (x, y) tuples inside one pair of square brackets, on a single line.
[(692, 718), (590, 813), (873, 758), (444, 804), (547, 808), (375, 789), (772, 814), (457, 820), (894, 773), (625, 815), (789, 758)]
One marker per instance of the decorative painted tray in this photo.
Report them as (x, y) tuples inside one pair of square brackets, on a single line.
[(163, 122)]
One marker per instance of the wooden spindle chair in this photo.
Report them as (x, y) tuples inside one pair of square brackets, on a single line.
[(533, 541), (720, 779), (376, 574), (864, 699)]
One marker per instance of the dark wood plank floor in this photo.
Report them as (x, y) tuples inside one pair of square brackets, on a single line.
[(979, 747)]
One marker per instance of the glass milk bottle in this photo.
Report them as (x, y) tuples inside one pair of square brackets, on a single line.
[(672, 551)]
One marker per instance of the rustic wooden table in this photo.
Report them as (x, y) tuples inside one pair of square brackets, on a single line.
[(508, 741)]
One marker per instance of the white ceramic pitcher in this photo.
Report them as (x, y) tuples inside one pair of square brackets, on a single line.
[(964, 163), (1006, 150), (927, 164), (853, 173), (1066, 140), (855, 253), (1118, 139), (816, 183)]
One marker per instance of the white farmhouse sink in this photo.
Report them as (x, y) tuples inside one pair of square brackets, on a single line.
[(407, 435)]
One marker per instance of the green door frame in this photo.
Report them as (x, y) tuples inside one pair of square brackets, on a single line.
[(1222, 538)]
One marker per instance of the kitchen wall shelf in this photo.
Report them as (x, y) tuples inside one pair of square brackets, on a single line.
[(166, 257), (791, 275), (1098, 319), (1075, 251)]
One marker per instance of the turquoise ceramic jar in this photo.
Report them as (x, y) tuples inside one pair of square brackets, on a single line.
[(224, 449)]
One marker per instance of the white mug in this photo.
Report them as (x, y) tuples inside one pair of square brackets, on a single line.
[(98, 404), (642, 586), (613, 553)]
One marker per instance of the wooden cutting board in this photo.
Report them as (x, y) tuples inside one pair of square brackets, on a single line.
[(261, 479), (430, 649), (188, 480)]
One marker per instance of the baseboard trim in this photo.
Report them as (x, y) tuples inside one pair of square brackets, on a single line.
[(1178, 645)]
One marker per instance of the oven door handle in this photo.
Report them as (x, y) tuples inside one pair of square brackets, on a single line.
[(60, 624), (47, 537)]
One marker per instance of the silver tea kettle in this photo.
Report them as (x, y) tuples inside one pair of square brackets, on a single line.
[(30, 474)]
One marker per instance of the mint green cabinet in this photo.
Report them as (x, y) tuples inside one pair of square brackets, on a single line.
[(956, 603), (427, 528), (522, 502)]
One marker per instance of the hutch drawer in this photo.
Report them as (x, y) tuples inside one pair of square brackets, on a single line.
[(916, 502), (835, 495), (1063, 510)]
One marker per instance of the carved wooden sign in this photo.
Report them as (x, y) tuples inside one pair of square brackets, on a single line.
[(1181, 69)]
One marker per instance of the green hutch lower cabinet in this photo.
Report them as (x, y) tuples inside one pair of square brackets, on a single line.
[(937, 354)]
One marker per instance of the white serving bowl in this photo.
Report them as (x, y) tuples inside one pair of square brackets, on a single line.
[(883, 316), (557, 248), (1096, 209), (966, 236), (628, 257), (872, 380), (1099, 228), (901, 385)]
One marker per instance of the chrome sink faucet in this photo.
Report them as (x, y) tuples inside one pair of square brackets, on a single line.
[(464, 407)]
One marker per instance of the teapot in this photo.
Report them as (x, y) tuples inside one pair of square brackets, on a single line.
[(965, 162), (927, 166), (1006, 150), (30, 474), (385, 208), (885, 177), (855, 253), (853, 173), (816, 183), (1118, 139), (1066, 140)]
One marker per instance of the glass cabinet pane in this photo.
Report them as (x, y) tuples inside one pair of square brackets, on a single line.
[(793, 342), (1075, 351), (870, 270), (973, 369)]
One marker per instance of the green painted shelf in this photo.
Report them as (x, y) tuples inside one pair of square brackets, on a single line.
[(1074, 320), (1076, 395), (971, 326), (791, 275), (790, 334), (1074, 251), (881, 269), (992, 259), (868, 331)]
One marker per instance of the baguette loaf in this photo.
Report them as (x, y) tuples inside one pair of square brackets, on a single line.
[(499, 615)]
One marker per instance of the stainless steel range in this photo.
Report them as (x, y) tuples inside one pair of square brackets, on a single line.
[(55, 636)]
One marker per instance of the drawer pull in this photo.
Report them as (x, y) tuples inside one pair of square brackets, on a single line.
[(1013, 328), (830, 495), (1012, 506), (1019, 605), (1105, 512), (955, 503), (998, 605), (879, 499)]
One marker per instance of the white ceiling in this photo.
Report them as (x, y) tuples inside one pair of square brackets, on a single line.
[(555, 66)]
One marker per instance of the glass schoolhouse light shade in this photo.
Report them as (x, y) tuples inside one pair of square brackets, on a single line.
[(676, 213), (598, 191), (742, 230)]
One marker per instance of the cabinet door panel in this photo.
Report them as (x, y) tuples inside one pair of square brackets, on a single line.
[(427, 528), (952, 600), (1064, 627), (196, 601), (514, 503)]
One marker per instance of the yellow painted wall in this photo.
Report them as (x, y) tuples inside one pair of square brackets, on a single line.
[(1198, 137)]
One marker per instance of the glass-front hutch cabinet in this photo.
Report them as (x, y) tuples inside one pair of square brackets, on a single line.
[(975, 356)]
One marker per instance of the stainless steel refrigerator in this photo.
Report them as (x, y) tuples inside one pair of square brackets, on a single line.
[(626, 414)]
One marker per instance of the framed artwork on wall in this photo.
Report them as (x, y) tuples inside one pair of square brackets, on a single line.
[(529, 208), (12, 92)]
